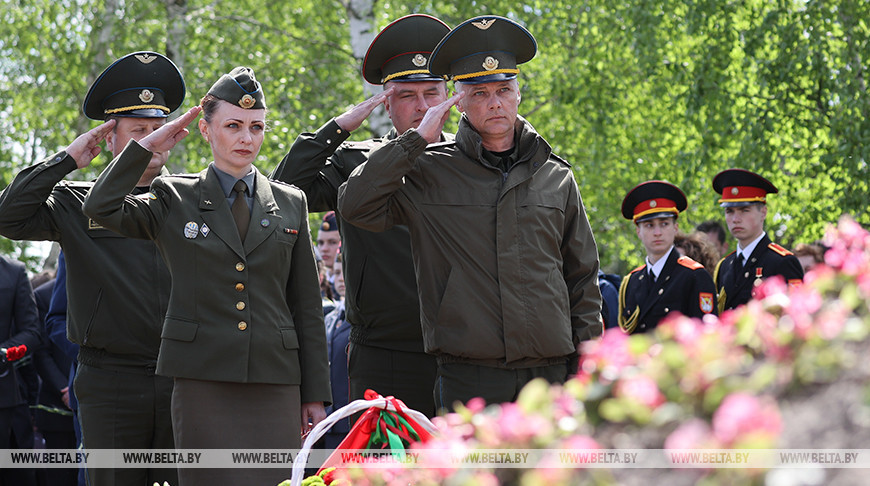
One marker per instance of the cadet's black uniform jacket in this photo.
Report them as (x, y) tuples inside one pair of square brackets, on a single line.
[(120, 286), (245, 313), (767, 259), (381, 299), (684, 285)]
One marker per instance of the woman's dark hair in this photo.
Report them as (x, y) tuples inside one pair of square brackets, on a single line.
[(698, 248), (209, 105)]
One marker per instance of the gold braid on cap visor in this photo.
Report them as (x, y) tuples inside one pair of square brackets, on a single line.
[(136, 107), (407, 73), (460, 77)]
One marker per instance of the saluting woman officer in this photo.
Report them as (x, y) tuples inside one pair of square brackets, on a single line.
[(243, 336)]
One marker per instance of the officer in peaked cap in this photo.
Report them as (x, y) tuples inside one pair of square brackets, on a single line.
[(113, 319), (666, 282), (514, 302), (386, 343), (744, 197), (482, 50), (138, 85)]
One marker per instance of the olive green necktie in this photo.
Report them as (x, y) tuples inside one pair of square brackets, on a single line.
[(241, 213)]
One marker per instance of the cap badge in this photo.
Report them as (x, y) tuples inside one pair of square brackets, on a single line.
[(146, 96), (653, 204), (419, 60), (490, 63), (325, 226), (247, 101), (483, 24), (734, 190), (145, 58)]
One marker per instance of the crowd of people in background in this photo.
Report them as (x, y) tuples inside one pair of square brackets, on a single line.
[(181, 300)]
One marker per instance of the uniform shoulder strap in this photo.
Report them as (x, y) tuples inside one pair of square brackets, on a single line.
[(689, 263), (782, 251)]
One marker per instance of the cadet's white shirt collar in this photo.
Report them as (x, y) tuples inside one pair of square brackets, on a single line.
[(749, 248), (660, 264)]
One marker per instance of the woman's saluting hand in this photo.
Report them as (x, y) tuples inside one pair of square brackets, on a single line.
[(167, 136)]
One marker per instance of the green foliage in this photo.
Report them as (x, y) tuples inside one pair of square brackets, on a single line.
[(624, 90)]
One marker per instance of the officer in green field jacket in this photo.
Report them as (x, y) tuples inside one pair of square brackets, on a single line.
[(513, 299), (118, 288), (386, 342)]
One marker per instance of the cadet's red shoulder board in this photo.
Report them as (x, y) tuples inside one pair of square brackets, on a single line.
[(689, 263), (639, 268), (782, 251)]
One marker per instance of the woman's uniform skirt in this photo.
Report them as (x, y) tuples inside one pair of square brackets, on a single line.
[(240, 416)]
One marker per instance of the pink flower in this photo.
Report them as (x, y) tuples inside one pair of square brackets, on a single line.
[(641, 389), (742, 417), (580, 442), (694, 434), (607, 356)]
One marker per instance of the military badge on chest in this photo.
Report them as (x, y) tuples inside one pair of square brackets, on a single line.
[(758, 275), (190, 230)]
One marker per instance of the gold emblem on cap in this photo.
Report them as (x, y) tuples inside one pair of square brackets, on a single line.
[(247, 101), (483, 24), (146, 96), (419, 60), (490, 63), (145, 58), (653, 204), (735, 191), (325, 226)]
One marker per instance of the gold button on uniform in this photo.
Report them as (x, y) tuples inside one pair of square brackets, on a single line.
[(243, 325), (240, 286), (240, 266), (240, 305)]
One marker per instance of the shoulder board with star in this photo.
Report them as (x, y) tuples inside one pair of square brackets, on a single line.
[(638, 268), (282, 183), (782, 251), (560, 159), (361, 145), (689, 263)]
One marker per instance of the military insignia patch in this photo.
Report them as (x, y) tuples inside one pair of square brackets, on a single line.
[(147, 195), (190, 230), (490, 63), (146, 96), (419, 60), (145, 58), (653, 204), (247, 101), (705, 301), (205, 230), (735, 191), (483, 24), (93, 225)]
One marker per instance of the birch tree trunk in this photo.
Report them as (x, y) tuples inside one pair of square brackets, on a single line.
[(176, 37), (361, 15)]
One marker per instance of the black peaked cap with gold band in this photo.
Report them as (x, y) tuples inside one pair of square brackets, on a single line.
[(402, 50), (482, 50), (653, 199), (240, 88), (140, 85), (740, 187)]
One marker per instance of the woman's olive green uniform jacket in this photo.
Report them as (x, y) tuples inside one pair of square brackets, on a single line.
[(247, 313)]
